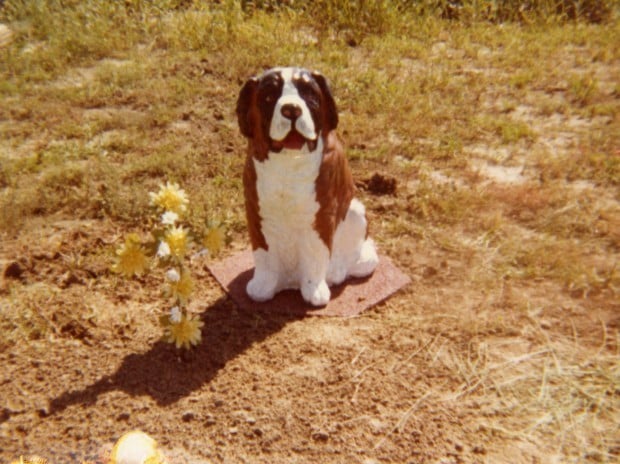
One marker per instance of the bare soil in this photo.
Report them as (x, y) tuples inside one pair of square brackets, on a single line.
[(261, 387)]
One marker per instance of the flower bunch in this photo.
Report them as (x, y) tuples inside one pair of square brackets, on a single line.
[(168, 250)]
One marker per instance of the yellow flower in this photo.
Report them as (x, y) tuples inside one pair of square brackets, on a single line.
[(136, 447), (177, 240), (214, 240), (131, 259), (170, 198), (182, 288), (184, 333)]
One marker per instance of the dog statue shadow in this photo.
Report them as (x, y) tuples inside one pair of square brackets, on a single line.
[(167, 375)]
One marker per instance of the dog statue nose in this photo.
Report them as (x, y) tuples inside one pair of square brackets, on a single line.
[(290, 111)]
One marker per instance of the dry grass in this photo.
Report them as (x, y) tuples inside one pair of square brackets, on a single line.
[(559, 396), (504, 140)]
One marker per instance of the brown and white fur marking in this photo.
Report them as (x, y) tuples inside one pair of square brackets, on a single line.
[(306, 229)]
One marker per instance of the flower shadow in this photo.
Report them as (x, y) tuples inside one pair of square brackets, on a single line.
[(168, 375)]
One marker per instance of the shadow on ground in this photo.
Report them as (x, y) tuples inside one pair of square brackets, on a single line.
[(166, 376)]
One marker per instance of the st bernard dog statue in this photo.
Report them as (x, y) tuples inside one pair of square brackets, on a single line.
[(306, 229)]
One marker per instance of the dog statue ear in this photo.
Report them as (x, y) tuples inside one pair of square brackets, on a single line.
[(243, 106), (331, 112)]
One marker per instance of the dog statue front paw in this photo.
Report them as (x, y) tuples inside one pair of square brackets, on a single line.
[(317, 294), (262, 287)]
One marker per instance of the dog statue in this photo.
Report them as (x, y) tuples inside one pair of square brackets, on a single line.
[(306, 229)]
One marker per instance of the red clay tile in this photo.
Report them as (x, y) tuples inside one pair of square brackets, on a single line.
[(348, 299)]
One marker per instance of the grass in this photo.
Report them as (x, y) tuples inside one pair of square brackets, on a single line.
[(91, 119), (556, 392)]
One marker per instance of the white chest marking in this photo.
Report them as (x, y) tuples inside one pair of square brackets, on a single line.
[(286, 188), (285, 183)]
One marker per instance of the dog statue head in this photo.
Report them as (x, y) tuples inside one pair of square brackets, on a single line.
[(286, 109)]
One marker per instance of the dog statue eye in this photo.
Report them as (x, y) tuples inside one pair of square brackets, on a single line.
[(268, 95), (268, 91), (306, 87), (309, 92)]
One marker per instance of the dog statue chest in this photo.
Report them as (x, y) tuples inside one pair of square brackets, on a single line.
[(285, 184)]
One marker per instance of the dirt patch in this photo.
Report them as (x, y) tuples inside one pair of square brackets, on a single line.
[(379, 184), (262, 387)]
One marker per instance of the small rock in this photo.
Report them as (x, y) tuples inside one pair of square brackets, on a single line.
[(13, 270), (243, 415), (376, 426), (233, 430), (188, 416), (479, 449), (43, 411), (209, 420), (320, 435)]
